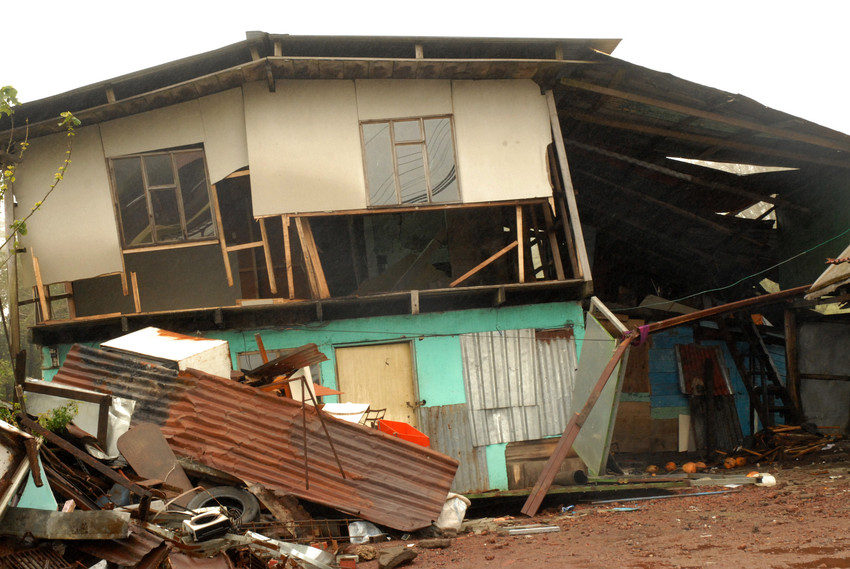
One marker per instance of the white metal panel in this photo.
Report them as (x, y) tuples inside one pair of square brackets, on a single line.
[(524, 396), (502, 129), (74, 234), (168, 127), (304, 147), (225, 143), (204, 354), (393, 98)]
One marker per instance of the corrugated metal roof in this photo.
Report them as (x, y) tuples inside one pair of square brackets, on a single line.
[(259, 437)]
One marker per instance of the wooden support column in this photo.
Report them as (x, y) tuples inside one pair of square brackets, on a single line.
[(318, 284), (221, 237), (792, 368), (267, 253), (287, 251), (136, 298), (521, 242), (41, 290), (553, 242), (482, 264), (569, 192)]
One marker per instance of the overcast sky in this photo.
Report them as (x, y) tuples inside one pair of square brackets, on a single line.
[(791, 56)]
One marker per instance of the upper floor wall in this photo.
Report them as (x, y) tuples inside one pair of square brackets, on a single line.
[(304, 144)]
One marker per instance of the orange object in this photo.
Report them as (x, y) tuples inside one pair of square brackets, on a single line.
[(404, 431), (689, 467), (730, 462), (741, 461), (670, 466)]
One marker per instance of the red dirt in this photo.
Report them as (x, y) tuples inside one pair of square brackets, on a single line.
[(802, 522)]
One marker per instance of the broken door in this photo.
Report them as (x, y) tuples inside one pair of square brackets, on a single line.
[(381, 375)]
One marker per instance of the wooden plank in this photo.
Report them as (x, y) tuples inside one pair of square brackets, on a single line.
[(569, 191), (287, 250), (69, 294), (311, 255), (267, 253), (553, 241), (565, 443), (715, 117), (792, 368), (243, 246), (521, 243), (412, 208), (482, 264), (221, 237), (561, 211), (136, 300), (40, 289), (414, 302)]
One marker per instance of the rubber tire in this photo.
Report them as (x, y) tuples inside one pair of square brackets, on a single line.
[(231, 498)]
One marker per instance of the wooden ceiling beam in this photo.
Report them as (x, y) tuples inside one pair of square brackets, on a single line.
[(685, 177), (843, 146)]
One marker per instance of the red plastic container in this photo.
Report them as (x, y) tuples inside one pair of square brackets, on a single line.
[(404, 431)]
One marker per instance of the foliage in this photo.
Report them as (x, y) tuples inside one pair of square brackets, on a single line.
[(56, 420)]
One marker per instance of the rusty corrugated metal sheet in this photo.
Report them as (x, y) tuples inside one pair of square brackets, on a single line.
[(128, 552), (288, 362), (692, 358), (259, 437)]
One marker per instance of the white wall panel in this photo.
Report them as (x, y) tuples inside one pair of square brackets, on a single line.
[(502, 130), (304, 147), (393, 99), (74, 235), (225, 144), (177, 125)]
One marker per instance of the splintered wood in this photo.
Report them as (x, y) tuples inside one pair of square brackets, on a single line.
[(788, 441)]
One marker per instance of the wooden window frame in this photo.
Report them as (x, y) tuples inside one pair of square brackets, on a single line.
[(423, 141)]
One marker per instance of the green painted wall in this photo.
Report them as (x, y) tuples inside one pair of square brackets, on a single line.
[(435, 340)]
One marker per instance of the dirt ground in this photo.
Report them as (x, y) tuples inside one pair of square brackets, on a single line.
[(801, 522)]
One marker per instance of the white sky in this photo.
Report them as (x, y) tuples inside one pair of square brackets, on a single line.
[(791, 56)]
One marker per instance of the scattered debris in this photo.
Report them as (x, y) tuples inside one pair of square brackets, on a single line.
[(532, 529)]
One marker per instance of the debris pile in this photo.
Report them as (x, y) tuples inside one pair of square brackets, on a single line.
[(165, 467), (789, 442)]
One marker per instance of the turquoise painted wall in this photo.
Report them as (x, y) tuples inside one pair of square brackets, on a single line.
[(436, 344)]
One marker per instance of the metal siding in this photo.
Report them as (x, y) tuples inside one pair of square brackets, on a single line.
[(449, 429), (259, 437), (518, 388)]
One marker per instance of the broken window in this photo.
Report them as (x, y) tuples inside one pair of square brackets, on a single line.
[(410, 161), (163, 198)]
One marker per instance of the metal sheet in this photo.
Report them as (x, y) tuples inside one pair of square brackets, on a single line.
[(518, 388), (449, 429), (259, 437), (81, 524)]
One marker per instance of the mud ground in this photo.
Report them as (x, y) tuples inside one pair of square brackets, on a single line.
[(801, 522)]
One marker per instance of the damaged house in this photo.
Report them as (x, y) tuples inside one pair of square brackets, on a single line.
[(411, 206)]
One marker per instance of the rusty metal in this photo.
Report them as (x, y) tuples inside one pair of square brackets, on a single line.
[(48, 524), (38, 558), (144, 494), (139, 547), (286, 364), (258, 437)]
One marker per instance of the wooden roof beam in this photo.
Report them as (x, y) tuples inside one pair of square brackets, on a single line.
[(685, 177), (843, 146)]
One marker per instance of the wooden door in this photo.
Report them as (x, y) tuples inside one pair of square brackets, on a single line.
[(381, 375)]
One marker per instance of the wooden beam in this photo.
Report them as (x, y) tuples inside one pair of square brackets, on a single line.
[(685, 177), (413, 208), (792, 369), (243, 246), (705, 140), (482, 264), (569, 191), (221, 237), (40, 288), (311, 257), (267, 253), (553, 241), (820, 141), (136, 299), (287, 251), (521, 243)]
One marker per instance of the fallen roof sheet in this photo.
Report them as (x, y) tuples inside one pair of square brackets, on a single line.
[(836, 275), (259, 437)]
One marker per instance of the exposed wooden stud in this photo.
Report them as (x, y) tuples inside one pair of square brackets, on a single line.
[(420, 52), (69, 295), (243, 246), (278, 48), (569, 191), (521, 242), (136, 299), (561, 211), (255, 53), (270, 76), (267, 252), (792, 369), (553, 241), (501, 296), (482, 264), (221, 237), (414, 302), (723, 119), (110, 94), (311, 257), (40, 289), (287, 251)]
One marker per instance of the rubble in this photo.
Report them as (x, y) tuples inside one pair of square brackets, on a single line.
[(159, 501)]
